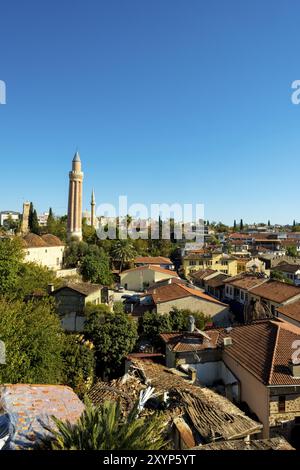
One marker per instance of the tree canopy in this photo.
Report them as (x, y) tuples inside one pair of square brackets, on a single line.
[(34, 342), (114, 336)]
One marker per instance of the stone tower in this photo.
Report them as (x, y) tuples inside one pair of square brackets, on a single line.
[(75, 200), (25, 218), (93, 212)]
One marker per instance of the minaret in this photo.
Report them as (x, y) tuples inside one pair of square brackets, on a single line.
[(75, 200), (93, 206)]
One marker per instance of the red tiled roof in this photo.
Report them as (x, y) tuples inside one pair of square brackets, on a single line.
[(179, 291), (264, 348), (185, 342), (245, 281), (291, 310), (152, 260), (201, 274), (276, 291)]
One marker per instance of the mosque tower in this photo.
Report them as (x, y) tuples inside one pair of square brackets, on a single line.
[(75, 200), (93, 212)]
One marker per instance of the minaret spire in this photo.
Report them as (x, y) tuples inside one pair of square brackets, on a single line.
[(75, 200), (93, 206)]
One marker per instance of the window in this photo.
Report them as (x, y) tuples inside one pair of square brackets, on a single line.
[(192, 263), (281, 404), (242, 295)]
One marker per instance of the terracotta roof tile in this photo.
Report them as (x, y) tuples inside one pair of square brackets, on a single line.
[(179, 291), (264, 348), (185, 342), (152, 260), (276, 291), (291, 310)]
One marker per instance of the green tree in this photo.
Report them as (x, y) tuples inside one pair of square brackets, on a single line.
[(291, 251), (182, 325), (11, 256), (152, 324), (114, 336), (95, 267), (79, 363), (34, 278), (234, 225), (279, 276), (11, 224), (241, 225), (34, 342), (51, 222), (122, 252), (33, 220), (269, 223), (89, 233), (105, 428)]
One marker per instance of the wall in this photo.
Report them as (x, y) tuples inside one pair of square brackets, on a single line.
[(211, 263), (252, 391), (51, 256), (219, 313), (135, 279)]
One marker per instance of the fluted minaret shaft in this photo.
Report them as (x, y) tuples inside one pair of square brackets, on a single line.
[(75, 200)]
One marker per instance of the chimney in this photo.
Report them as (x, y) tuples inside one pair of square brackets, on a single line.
[(191, 324), (193, 374), (227, 341), (50, 288), (295, 369)]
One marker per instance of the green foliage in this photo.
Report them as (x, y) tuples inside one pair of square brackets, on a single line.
[(95, 267), (114, 336), (279, 276), (92, 260), (89, 233), (104, 428), (33, 220), (11, 224), (34, 342), (291, 251), (122, 252), (241, 225), (11, 255), (51, 222), (34, 278), (79, 362), (152, 324), (118, 308), (183, 315)]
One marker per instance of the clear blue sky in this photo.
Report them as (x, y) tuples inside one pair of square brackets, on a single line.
[(167, 100)]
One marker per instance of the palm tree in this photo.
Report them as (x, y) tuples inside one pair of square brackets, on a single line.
[(104, 428), (123, 251)]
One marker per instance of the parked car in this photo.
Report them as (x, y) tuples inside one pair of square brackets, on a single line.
[(121, 289)]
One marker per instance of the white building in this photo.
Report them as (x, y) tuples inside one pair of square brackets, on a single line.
[(5, 215), (46, 250)]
